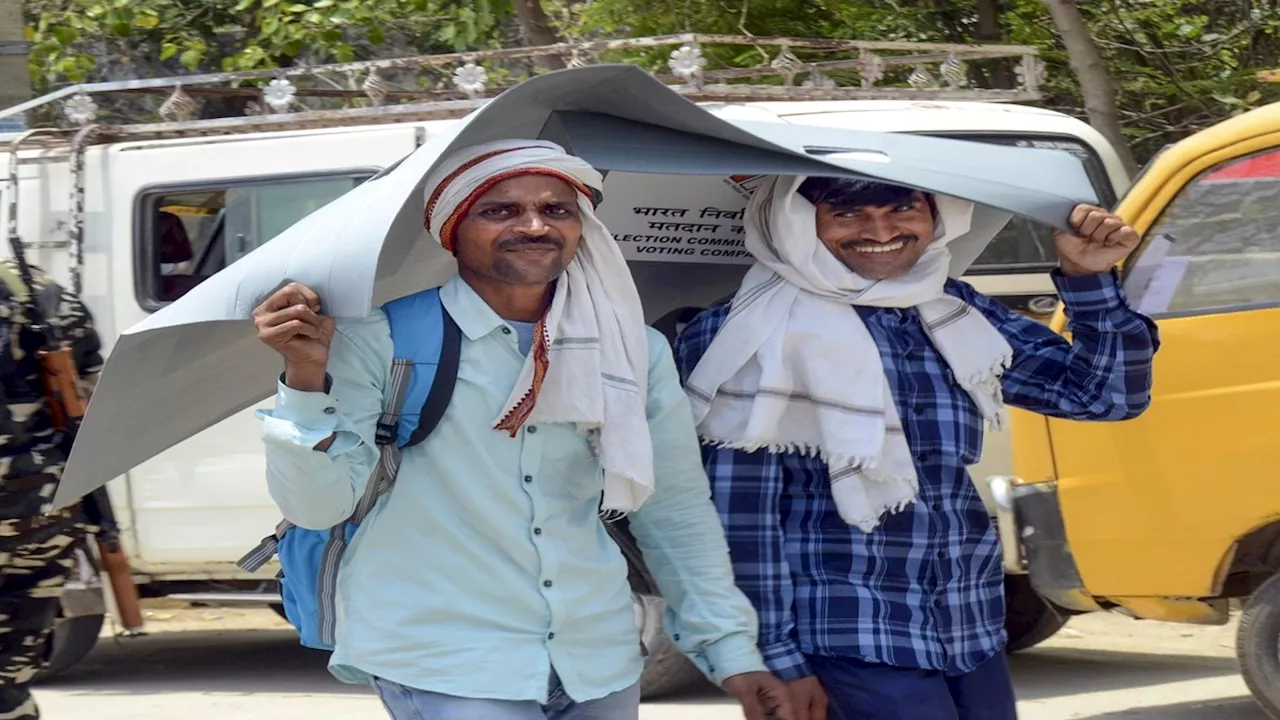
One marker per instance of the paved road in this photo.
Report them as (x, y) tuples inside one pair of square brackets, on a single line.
[(1105, 670)]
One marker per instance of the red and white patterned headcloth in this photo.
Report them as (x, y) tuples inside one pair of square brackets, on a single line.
[(455, 186)]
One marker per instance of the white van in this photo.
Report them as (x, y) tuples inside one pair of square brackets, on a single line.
[(159, 215)]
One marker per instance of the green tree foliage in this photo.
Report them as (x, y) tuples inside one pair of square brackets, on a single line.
[(1181, 65), (1178, 65), (74, 39)]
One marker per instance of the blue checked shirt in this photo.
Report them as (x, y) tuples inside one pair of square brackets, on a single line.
[(925, 589)]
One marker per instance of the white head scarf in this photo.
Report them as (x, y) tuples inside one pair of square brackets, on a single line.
[(795, 369), (589, 364)]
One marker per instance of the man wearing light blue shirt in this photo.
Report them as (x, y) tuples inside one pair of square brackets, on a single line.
[(485, 585)]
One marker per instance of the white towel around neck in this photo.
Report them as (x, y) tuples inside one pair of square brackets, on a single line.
[(794, 369)]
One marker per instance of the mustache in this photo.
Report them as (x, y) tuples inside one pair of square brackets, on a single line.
[(904, 238), (516, 241)]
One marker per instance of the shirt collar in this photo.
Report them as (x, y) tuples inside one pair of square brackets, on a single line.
[(474, 316)]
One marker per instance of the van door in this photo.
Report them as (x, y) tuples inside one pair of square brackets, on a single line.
[(1152, 506), (180, 213)]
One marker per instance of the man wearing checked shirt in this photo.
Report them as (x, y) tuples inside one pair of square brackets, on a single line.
[(840, 396)]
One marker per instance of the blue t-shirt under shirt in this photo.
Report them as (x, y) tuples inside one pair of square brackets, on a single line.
[(524, 335)]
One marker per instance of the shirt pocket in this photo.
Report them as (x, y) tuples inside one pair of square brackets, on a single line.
[(569, 467)]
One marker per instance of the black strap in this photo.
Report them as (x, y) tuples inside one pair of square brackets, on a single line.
[(442, 387), (35, 314)]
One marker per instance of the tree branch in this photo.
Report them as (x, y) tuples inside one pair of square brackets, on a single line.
[(1095, 80), (536, 29)]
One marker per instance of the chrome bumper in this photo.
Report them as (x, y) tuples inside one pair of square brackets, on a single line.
[(1015, 562)]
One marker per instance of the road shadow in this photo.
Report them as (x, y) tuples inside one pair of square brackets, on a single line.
[(224, 661), (1059, 673), (701, 692), (1234, 709), (270, 662), (236, 662), (1045, 673)]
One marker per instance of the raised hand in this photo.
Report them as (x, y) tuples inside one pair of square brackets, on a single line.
[(290, 323), (1101, 240)]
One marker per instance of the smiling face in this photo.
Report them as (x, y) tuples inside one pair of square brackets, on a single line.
[(878, 231), (523, 231)]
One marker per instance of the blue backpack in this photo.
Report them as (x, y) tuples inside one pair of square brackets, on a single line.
[(427, 343)]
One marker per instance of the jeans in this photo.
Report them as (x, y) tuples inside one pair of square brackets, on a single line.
[(404, 703), (860, 690)]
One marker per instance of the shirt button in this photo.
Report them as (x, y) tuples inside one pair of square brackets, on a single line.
[(942, 554), (937, 603), (533, 429), (918, 410), (537, 531), (937, 507), (546, 583), (551, 636), (330, 410), (506, 331), (528, 478)]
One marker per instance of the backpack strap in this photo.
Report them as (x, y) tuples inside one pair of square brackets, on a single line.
[(388, 461), (254, 559), (434, 356), (380, 482), (423, 332), (446, 378)]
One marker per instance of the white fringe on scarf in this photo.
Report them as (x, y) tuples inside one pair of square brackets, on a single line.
[(794, 369)]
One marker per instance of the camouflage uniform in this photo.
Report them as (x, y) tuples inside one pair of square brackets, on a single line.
[(37, 544)]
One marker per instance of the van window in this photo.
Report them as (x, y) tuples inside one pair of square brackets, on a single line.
[(1026, 246), (188, 233), (1216, 247)]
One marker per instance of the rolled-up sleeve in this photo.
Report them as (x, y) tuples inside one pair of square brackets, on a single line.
[(679, 532), (318, 489)]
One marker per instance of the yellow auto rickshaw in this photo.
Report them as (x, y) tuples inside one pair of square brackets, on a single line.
[(1176, 514)]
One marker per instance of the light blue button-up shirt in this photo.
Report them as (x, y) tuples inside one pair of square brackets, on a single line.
[(487, 565)]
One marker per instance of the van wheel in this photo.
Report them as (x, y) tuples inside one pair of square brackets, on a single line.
[(71, 641), (1258, 645), (666, 670), (1029, 619)]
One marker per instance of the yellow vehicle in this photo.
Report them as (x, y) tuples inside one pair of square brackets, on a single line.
[(1173, 515)]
